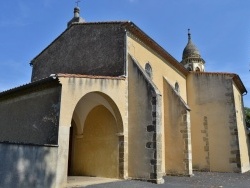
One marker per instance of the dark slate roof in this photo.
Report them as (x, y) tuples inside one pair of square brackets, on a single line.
[(133, 29)]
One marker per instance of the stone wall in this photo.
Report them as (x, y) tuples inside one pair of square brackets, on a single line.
[(30, 115), (27, 166)]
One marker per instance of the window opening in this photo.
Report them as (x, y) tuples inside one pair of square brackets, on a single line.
[(148, 69), (177, 87)]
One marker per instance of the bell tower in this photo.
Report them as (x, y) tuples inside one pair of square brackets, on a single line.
[(191, 58)]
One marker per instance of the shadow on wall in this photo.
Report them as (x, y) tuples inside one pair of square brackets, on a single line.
[(26, 166)]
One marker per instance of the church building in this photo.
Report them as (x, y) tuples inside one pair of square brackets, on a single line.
[(106, 100)]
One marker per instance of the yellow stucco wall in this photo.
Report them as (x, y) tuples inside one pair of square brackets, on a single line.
[(242, 131), (89, 93), (160, 68), (73, 89), (96, 153), (213, 122), (202, 121), (178, 152), (140, 116)]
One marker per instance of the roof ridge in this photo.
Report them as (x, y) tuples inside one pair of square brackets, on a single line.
[(90, 76), (224, 73)]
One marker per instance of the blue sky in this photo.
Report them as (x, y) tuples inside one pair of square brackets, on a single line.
[(220, 29)]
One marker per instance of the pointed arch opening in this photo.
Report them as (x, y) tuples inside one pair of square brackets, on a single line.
[(96, 139), (197, 69)]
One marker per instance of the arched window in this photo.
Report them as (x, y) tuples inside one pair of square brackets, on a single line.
[(189, 68), (197, 69), (148, 69), (177, 87)]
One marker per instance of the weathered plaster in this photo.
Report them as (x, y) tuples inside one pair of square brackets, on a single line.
[(35, 113), (242, 155), (215, 123), (178, 152), (145, 128), (27, 166), (87, 92)]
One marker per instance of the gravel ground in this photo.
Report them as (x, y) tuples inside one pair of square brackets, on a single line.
[(200, 179)]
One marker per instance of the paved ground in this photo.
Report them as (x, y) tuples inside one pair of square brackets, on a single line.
[(199, 180)]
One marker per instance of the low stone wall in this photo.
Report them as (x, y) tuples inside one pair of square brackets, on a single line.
[(30, 114), (27, 166)]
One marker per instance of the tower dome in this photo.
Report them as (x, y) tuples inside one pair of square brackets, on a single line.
[(191, 58), (190, 50)]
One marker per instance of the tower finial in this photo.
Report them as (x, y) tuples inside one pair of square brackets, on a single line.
[(77, 2), (191, 58), (77, 9), (189, 35), (76, 18)]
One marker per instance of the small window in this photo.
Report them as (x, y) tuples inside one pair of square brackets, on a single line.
[(189, 68), (148, 69), (197, 69), (177, 87)]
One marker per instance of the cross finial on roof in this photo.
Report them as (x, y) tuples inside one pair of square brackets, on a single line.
[(77, 2)]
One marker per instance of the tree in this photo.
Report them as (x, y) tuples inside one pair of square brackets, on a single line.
[(247, 116)]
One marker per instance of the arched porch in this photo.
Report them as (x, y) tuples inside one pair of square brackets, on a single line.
[(96, 138)]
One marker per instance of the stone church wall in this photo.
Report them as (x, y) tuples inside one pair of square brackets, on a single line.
[(215, 143), (160, 66), (241, 132), (89, 49), (29, 136), (79, 96), (177, 129), (145, 135)]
